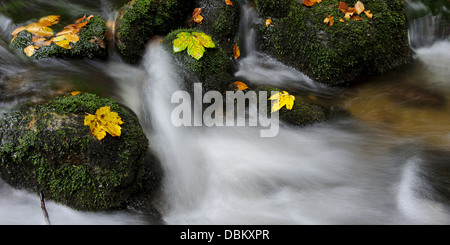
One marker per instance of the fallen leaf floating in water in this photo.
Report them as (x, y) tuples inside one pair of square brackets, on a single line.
[(329, 20), (229, 2), (195, 42), (104, 121), (282, 99), (236, 52), (240, 85)]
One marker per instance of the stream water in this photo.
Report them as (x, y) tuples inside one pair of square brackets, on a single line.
[(386, 161)]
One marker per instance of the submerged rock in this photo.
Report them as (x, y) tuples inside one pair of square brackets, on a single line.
[(139, 20), (339, 53), (91, 43), (212, 70), (48, 149)]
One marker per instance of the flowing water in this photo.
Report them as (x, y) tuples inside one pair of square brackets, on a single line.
[(385, 161)]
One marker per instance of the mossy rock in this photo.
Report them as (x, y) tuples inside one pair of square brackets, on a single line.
[(302, 113), (139, 20), (91, 43), (213, 70), (48, 149), (221, 21), (336, 54)]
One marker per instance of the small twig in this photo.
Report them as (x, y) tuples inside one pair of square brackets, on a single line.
[(44, 210)]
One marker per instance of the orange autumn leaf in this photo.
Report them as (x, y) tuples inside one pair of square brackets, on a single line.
[(357, 18), (329, 20), (240, 85), (308, 3), (229, 2), (359, 7), (341, 20), (268, 22), (73, 93), (368, 14), (236, 51), (343, 6), (196, 17)]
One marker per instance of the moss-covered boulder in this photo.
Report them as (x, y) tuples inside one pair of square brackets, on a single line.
[(221, 21), (303, 113), (48, 149), (213, 70), (91, 42), (339, 53), (139, 20)]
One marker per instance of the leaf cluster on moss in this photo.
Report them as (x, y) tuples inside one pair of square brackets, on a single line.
[(48, 149), (88, 45)]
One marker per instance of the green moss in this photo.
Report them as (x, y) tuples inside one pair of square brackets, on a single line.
[(339, 53), (212, 69), (274, 8), (221, 21), (48, 149), (140, 19), (88, 45)]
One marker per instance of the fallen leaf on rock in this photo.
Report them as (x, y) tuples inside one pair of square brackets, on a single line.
[(240, 85), (29, 50), (196, 17), (368, 14), (73, 93), (357, 18), (195, 42), (282, 99), (308, 3), (268, 22), (236, 51), (359, 7), (229, 2), (104, 121), (329, 20), (343, 6)]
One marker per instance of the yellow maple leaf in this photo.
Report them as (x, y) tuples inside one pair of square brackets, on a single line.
[(104, 121), (282, 99)]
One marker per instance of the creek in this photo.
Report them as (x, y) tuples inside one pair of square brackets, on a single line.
[(382, 158)]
